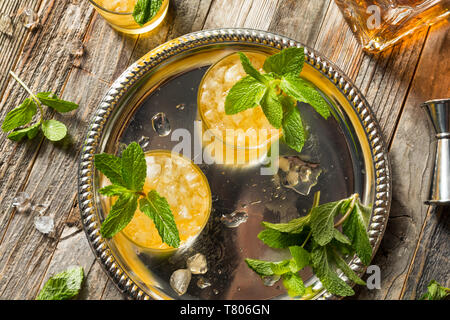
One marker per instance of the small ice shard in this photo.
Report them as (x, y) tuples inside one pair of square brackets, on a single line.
[(269, 281), (234, 219), (181, 106), (6, 25), (28, 18), (297, 174), (144, 142), (179, 281), (203, 283), (216, 291), (197, 264), (22, 201), (161, 124), (44, 224)]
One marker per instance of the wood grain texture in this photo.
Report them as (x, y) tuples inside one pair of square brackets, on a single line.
[(394, 82), (11, 45)]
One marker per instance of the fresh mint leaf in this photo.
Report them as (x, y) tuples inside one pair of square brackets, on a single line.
[(20, 115), (110, 166), (435, 291), (341, 237), (279, 240), (157, 208), (293, 130), (245, 94), (355, 229), (293, 226), (322, 266), (272, 107), (301, 90), (54, 130), (268, 268), (287, 61), (294, 284), (342, 264), (262, 268), (113, 190), (63, 286), (145, 10), (322, 222), (51, 100), (300, 255), (134, 167), (120, 215), (250, 69), (29, 132)]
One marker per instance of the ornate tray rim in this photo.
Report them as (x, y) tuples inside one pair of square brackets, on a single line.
[(91, 225)]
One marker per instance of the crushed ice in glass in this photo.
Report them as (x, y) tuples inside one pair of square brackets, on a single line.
[(28, 18), (234, 219), (161, 124), (203, 283), (297, 174), (179, 281), (197, 264)]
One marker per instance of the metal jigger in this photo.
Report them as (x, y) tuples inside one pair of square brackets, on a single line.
[(439, 113)]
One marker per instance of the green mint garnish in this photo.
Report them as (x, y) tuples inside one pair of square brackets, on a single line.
[(145, 10), (63, 286), (22, 115), (277, 92), (315, 241), (127, 175), (435, 292)]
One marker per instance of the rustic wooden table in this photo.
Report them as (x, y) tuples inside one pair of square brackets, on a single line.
[(416, 246)]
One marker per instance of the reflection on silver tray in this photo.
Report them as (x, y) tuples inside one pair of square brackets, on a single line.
[(343, 155)]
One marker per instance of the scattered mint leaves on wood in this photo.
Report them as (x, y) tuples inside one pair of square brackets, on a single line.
[(127, 175), (63, 286), (18, 121), (315, 241), (277, 92), (435, 291), (146, 10)]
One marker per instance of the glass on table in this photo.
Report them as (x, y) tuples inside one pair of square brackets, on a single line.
[(119, 14), (378, 24)]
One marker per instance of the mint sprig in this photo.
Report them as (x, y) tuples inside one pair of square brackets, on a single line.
[(18, 120), (146, 10), (63, 286), (277, 92), (435, 291), (127, 175), (315, 241)]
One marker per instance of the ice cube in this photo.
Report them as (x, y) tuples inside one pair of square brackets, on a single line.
[(234, 219), (269, 281), (183, 212), (197, 264), (233, 74), (203, 283), (29, 18), (44, 224), (179, 281), (144, 141), (6, 25), (22, 202), (153, 170), (39, 209)]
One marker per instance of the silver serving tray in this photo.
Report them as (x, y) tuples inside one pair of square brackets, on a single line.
[(349, 148)]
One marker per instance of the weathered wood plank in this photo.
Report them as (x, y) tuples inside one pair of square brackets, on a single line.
[(300, 19), (26, 253), (431, 259), (411, 155), (11, 45)]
